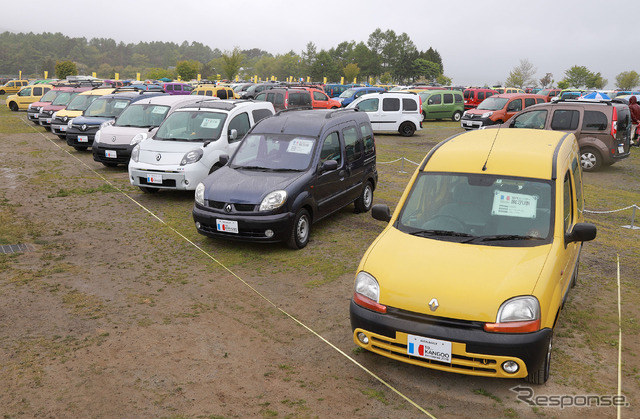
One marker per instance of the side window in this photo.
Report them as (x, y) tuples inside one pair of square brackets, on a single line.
[(222, 94), (489, 94), (390, 104), (594, 121), (539, 100), (448, 98), (577, 178), (481, 95), (368, 105), (187, 88), (259, 114), (261, 97), (241, 124), (529, 101), (534, 119), (320, 96), (565, 120), (435, 99), (37, 91), (568, 203), (331, 149), (515, 105), (25, 92), (352, 147), (177, 88), (367, 136), (278, 100), (409, 105), (169, 88), (467, 94), (208, 93), (459, 99)]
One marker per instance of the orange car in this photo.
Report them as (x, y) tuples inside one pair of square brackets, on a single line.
[(498, 108)]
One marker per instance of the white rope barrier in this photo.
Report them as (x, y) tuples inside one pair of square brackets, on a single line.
[(633, 215)]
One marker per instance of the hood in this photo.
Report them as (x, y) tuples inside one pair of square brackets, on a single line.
[(633, 100), (469, 281), (120, 135), (245, 186), (169, 152), (90, 120)]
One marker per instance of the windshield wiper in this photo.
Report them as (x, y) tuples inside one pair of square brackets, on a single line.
[(251, 168), (439, 233), (505, 237)]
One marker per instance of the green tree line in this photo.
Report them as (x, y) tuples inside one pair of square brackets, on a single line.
[(385, 57)]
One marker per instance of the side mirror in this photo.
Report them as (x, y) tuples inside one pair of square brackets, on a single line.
[(223, 159), (381, 212), (329, 165), (582, 232), (233, 134)]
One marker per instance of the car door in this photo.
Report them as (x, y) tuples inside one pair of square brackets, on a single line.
[(434, 105), (24, 97), (320, 100), (388, 116), (371, 106), (328, 185), (513, 107)]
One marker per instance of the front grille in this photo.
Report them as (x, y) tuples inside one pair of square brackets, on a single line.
[(219, 205), (244, 233), (433, 320)]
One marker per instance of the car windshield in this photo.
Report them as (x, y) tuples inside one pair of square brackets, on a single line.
[(492, 103), (142, 116), (274, 152), (479, 209), (49, 96), (347, 93), (81, 102), (106, 107), (192, 125), (63, 98)]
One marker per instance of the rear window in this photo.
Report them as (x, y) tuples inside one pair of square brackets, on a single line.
[(529, 101), (367, 136), (391, 104), (594, 121), (459, 99), (448, 98), (409, 105), (259, 114), (565, 120)]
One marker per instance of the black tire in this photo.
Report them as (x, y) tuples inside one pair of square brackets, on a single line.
[(365, 200), (590, 159), (407, 129), (301, 230), (148, 190), (62, 137), (13, 106), (574, 278), (2, 92), (457, 116), (540, 375), (80, 148)]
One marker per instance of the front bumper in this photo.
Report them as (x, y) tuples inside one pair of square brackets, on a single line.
[(184, 178), (111, 153), (78, 138), (251, 226), (473, 351), (475, 123), (33, 116)]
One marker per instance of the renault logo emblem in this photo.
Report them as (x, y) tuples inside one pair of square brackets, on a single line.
[(83, 127), (158, 157), (227, 208), (113, 139), (433, 304)]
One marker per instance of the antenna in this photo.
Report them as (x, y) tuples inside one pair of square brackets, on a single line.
[(484, 167)]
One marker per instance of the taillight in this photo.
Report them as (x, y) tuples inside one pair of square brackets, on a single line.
[(614, 123)]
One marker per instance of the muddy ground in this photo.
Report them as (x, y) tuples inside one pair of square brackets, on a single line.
[(118, 308)]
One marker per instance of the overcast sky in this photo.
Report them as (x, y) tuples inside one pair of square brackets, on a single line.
[(480, 42)]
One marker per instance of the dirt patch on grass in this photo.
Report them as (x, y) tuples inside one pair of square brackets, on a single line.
[(117, 313)]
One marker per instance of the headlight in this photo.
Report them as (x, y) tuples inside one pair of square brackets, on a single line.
[(138, 138), (367, 286), (135, 153), (191, 157), (464, 113), (106, 124), (200, 193), (273, 200), (517, 315), (70, 123), (96, 138), (29, 107), (487, 114), (53, 115), (519, 309)]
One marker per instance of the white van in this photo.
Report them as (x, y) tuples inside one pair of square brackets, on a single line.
[(391, 111), (187, 146)]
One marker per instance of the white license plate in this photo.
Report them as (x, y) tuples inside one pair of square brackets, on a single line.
[(154, 179), (83, 138), (435, 349), (620, 149), (48, 120), (469, 124), (113, 155), (62, 128), (227, 226)]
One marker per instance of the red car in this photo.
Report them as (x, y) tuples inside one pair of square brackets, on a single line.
[(60, 102)]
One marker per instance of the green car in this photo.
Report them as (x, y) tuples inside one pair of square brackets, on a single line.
[(442, 104)]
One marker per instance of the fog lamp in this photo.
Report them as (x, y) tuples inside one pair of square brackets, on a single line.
[(363, 338), (510, 367), (268, 233), (198, 225)]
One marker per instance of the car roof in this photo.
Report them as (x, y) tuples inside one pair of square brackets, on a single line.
[(508, 152), (170, 100), (209, 103), (307, 122), (512, 95)]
